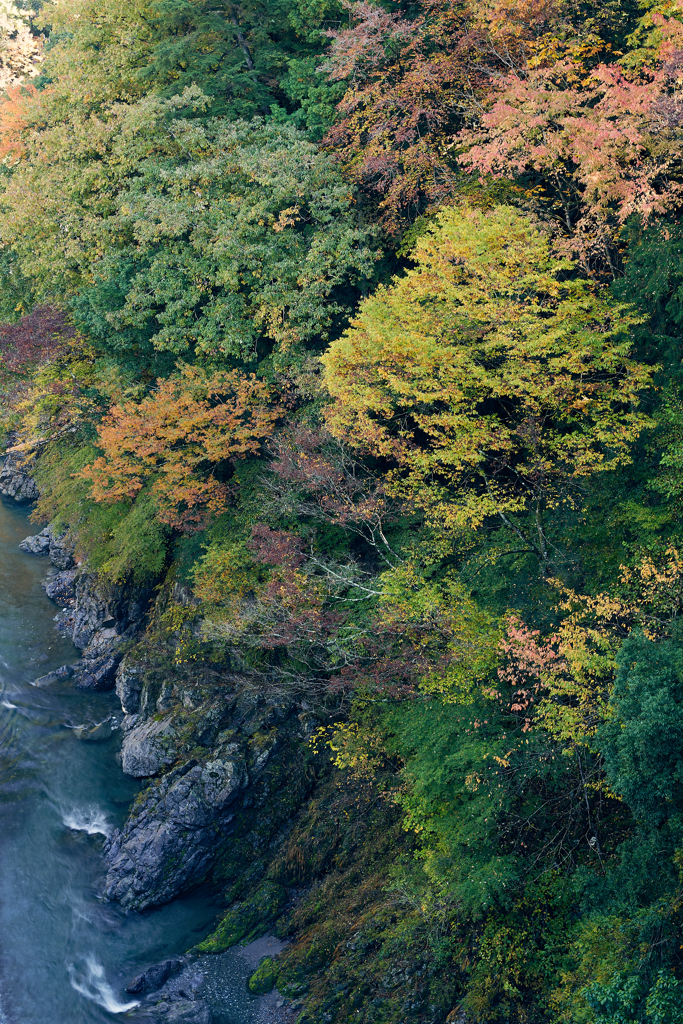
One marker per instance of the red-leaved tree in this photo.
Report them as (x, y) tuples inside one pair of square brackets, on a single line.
[(38, 337), (593, 145)]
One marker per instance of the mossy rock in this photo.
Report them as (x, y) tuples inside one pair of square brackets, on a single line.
[(294, 989), (264, 977), (248, 920)]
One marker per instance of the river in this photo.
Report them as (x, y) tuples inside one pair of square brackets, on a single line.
[(65, 956)]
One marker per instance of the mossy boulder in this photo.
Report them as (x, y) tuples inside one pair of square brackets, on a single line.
[(247, 920), (264, 978)]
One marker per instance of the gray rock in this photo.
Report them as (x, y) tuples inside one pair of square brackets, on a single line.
[(153, 978), (98, 674), (169, 843), (99, 619), (96, 608), (103, 614), (61, 587), (56, 676), (128, 686), (56, 545), (148, 748), (61, 550), (185, 985), (38, 544), (16, 480), (184, 1011)]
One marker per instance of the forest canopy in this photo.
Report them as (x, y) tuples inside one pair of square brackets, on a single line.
[(353, 332)]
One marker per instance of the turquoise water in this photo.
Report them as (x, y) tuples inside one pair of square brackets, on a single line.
[(65, 956)]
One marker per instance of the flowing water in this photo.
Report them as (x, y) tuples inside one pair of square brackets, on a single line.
[(65, 956)]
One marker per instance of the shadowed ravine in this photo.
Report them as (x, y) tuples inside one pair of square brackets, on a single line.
[(65, 956)]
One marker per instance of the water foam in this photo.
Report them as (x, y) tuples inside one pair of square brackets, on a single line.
[(7, 704), (87, 819), (91, 982)]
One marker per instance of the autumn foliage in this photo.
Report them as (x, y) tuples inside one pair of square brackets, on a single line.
[(177, 438), (18, 108), (599, 143), (487, 382), (413, 82), (355, 337), (521, 92), (35, 338)]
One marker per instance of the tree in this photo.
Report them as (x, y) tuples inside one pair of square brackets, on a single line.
[(594, 144), (490, 381), (21, 46), (406, 85), (625, 1000), (642, 740), (35, 338), (249, 233), (239, 54), (176, 438), (187, 236), (416, 77)]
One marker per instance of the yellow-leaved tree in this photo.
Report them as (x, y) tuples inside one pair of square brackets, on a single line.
[(490, 379)]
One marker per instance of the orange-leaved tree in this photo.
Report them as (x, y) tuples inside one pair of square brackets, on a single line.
[(490, 380), (176, 439), (20, 106), (594, 143), (416, 77)]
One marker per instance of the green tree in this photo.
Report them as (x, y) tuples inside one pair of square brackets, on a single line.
[(187, 236), (626, 1000), (250, 57), (238, 53), (249, 233), (642, 742)]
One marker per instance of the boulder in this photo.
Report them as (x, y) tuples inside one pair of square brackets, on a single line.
[(184, 985), (38, 544), (16, 480), (61, 587), (154, 977), (58, 675), (103, 615), (98, 674), (169, 842), (264, 978), (148, 748), (56, 545)]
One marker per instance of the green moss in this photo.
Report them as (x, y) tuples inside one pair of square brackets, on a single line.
[(121, 540), (248, 920), (264, 978)]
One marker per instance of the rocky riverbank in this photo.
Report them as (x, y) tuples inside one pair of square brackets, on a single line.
[(190, 988), (227, 769), (238, 799), (100, 619), (16, 481)]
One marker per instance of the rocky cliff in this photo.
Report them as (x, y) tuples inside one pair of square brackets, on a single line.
[(16, 481), (207, 739), (100, 618), (237, 797)]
